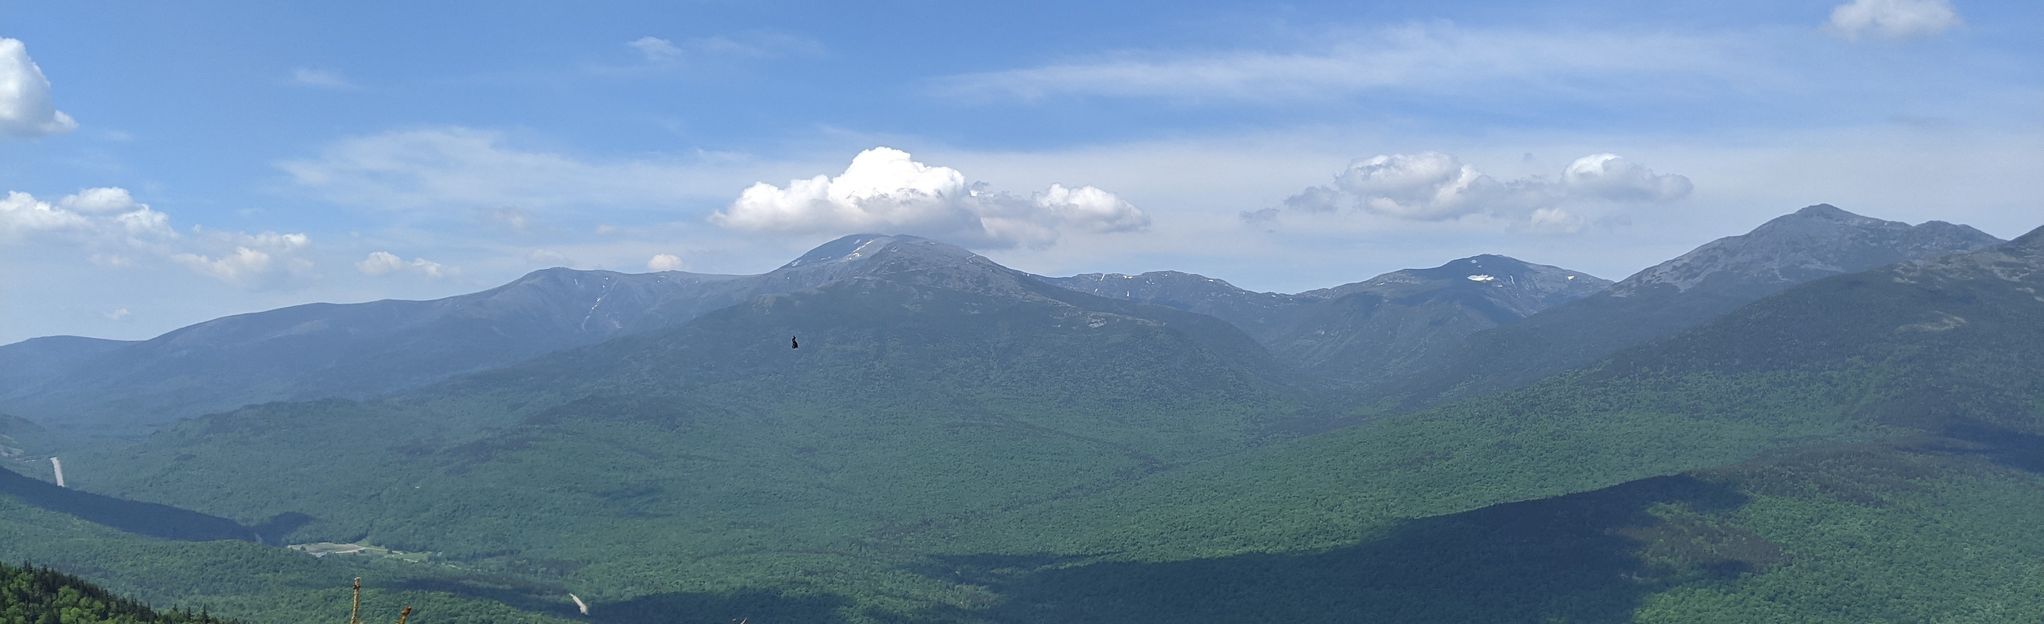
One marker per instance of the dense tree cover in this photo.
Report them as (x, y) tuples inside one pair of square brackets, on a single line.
[(701, 467), (1715, 279), (36, 595), (244, 580), (1876, 435)]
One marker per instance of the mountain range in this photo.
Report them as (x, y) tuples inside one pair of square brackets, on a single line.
[(1415, 332), (1816, 421), (1810, 244), (372, 349), (1364, 331)]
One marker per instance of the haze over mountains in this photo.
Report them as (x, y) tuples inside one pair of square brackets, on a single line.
[(1361, 332), (1812, 243), (369, 349), (1485, 440), (1406, 331)]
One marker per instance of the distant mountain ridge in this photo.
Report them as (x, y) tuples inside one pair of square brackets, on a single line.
[(1374, 330), (985, 445), (37, 360), (1363, 331), (928, 380), (363, 349), (368, 349), (1479, 322), (1259, 313), (1812, 243), (1897, 406), (1816, 241)]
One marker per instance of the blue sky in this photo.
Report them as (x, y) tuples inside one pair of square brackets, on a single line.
[(169, 163)]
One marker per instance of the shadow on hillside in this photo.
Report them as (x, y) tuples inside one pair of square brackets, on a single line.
[(2003, 446), (150, 519), (1587, 557), (754, 606), (517, 593), (274, 530), (744, 606)]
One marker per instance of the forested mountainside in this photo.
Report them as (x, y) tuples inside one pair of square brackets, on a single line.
[(1860, 448), (955, 441), (34, 595), (1369, 331), (1812, 243)]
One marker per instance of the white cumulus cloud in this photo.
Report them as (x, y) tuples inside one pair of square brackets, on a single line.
[(1426, 186), (243, 265), (1433, 186), (385, 263), (22, 214), (1608, 176), (90, 214), (260, 260), (25, 107), (1552, 219), (664, 262), (1893, 19), (885, 189), (97, 201), (116, 229), (380, 263)]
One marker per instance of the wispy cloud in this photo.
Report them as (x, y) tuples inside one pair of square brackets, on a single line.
[(655, 49), (1893, 19), (1429, 58), (662, 53), (465, 170), (260, 261), (320, 79)]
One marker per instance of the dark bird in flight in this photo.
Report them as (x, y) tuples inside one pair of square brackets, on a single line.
[(792, 344)]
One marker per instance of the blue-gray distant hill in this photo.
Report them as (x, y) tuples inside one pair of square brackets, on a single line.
[(930, 381), (323, 350), (1812, 243), (959, 442), (1363, 331), (371, 349), (1466, 327)]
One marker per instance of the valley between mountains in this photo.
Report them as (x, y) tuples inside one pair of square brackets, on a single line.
[(1831, 418)]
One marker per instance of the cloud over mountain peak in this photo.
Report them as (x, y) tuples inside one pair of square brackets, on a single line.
[(887, 189)]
